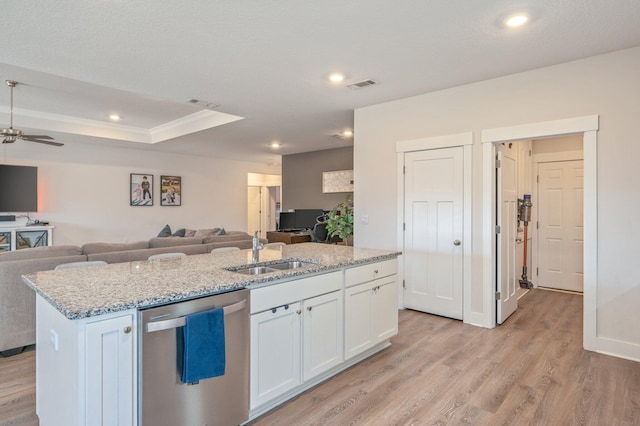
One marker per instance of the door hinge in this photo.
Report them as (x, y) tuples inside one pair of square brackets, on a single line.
[(404, 226), (536, 272), (497, 164), (404, 284), (497, 229), (529, 153), (538, 179), (497, 295), (404, 170), (537, 225)]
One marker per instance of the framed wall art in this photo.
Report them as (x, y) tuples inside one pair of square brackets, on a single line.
[(170, 190), (141, 189), (339, 181)]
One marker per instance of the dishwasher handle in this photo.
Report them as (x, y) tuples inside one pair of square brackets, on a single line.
[(181, 321)]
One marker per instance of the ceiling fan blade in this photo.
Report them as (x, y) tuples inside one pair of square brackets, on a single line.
[(40, 141), (37, 136)]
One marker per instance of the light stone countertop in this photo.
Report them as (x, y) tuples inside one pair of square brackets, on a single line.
[(86, 292)]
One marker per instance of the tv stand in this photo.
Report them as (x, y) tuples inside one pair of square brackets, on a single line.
[(288, 237)]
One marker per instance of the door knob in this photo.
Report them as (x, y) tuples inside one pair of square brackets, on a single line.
[(457, 242), (127, 329)]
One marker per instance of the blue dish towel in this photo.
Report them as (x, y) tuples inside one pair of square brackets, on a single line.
[(201, 346)]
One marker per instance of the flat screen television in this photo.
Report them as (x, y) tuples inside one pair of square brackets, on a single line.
[(19, 191), (307, 218), (287, 221)]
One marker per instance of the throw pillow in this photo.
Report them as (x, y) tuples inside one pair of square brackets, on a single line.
[(179, 233), (221, 232), (166, 231), (206, 232), (189, 232)]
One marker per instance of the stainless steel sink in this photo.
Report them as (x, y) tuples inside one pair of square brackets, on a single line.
[(255, 270), (293, 264), (284, 265)]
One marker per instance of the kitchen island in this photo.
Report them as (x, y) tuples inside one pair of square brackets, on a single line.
[(340, 295)]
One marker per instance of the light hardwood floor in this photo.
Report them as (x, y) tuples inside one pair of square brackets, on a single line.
[(529, 371)]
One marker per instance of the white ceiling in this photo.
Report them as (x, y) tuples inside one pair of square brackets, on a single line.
[(267, 61)]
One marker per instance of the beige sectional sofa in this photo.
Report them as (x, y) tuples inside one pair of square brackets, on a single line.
[(17, 301)]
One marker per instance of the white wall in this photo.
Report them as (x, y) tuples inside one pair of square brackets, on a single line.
[(605, 85), (84, 191)]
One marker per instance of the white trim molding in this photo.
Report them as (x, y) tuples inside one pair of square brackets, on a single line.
[(435, 142)]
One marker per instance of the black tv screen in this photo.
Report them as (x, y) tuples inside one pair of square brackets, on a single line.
[(306, 218), (19, 191), (287, 221)]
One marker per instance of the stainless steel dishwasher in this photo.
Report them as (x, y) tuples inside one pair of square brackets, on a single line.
[(163, 399)]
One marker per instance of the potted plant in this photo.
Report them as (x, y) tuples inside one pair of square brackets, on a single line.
[(340, 220)]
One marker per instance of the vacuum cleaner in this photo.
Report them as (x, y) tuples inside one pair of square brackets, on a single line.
[(524, 215)]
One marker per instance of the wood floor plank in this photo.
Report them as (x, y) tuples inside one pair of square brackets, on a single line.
[(531, 370)]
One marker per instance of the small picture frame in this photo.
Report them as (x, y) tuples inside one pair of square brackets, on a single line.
[(170, 190), (141, 189)]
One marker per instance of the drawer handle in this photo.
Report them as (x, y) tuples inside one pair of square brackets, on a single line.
[(298, 312), (274, 310), (309, 308), (127, 329), (375, 271), (286, 307)]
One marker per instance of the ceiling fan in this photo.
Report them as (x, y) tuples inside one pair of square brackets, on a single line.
[(10, 135)]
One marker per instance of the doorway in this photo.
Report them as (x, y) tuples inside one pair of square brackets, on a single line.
[(550, 172), (263, 203), (587, 127)]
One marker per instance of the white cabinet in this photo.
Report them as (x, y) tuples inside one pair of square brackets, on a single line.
[(323, 334), (296, 334), (86, 368), (109, 372), (371, 307), (275, 352)]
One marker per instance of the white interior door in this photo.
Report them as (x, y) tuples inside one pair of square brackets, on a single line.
[(253, 213), (560, 229), (433, 231), (507, 218)]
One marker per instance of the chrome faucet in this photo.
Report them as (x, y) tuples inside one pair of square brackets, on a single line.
[(256, 247)]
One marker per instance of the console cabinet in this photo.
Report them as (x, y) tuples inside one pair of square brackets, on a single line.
[(16, 238)]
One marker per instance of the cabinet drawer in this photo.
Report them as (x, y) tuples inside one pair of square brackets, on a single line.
[(292, 291), (371, 271)]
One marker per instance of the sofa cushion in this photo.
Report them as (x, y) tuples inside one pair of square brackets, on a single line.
[(139, 255), (173, 241), (165, 232), (189, 232), (92, 248), (229, 236), (40, 253), (221, 232), (206, 232)]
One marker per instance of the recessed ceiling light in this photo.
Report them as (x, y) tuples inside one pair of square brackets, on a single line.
[(114, 117), (336, 77), (275, 145), (347, 133), (516, 20)]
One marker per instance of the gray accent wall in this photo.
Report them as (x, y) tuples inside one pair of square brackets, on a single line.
[(302, 178)]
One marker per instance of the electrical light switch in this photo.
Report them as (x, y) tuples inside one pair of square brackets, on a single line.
[(364, 219)]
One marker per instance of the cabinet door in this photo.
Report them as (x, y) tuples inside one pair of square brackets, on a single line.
[(275, 353), (358, 314), (323, 333), (386, 308), (109, 372)]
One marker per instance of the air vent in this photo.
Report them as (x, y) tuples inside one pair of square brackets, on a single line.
[(204, 104), (361, 84)]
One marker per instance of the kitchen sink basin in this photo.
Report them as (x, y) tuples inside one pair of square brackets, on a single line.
[(284, 265), (255, 270), (293, 264)]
